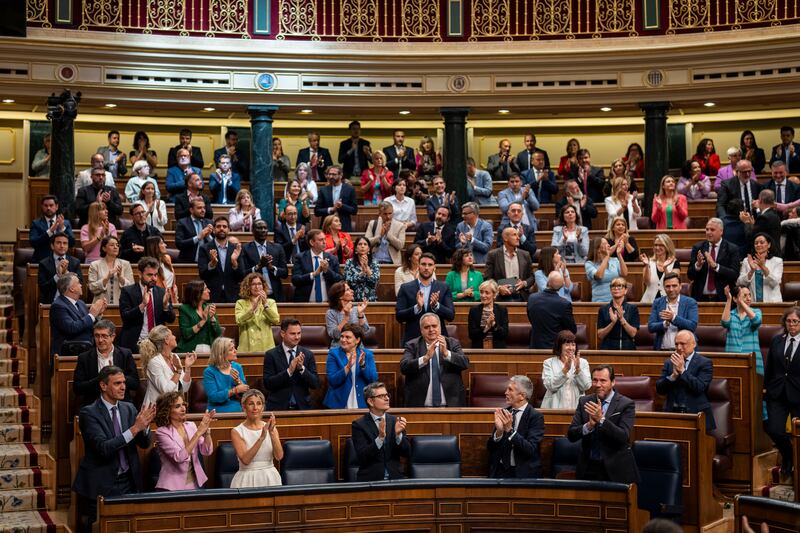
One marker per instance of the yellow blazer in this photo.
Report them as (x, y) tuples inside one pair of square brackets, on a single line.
[(255, 328)]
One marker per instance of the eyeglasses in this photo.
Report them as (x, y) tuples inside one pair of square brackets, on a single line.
[(383, 396), (619, 287), (102, 336), (792, 321)]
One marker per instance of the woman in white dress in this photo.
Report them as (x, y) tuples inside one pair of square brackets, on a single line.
[(565, 375), (257, 445), (621, 203), (163, 368), (404, 209)]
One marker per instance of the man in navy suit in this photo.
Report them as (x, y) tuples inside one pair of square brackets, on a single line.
[(70, 319), (742, 188), (379, 438), (714, 265), (785, 191), (194, 152), (438, 237), (338, 197), (685, 379), (782, 383), (527, 235), (290, 235), (193, 231), (549, 313), (98, 191), (316, 157), (423, 295), (143, 306), (440, 198), (240, 160), (603, 422), (590, 178), (225, 183), (671, 313), (111, 430), (787, 151), (219, 265), (290, 370), (355, 153), (43, 228), (194, 190), (54, 266), (519, 429), (541, 179), (314, 271), (267, 258), (398, 155), (525, 157), (86, 376)]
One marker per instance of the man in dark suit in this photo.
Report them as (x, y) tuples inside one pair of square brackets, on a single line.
[(314, 271), (379, 438), (603, 423), (423, 295), (196, 154), (290, 370), (111, 429), (525, 158), (266, 257), (134, 238), (714, 265), (520, 278), (240, 159), (290, 235), (590, 179), (432, 365), (440, 198), (143, 306), (192, 232), (785, 191), (767, 221), (316, 157), (527, 235), (225, 183), (44, 227), (502, 164), (519, 429), (219, 265), (355, 153), (685, 379), (98, 191), (671, 313), (54, 266), (438, 237), (742, 188), (541, 179), (787, 151), (337, 198), (549, 313), (575, 197), (70, 318), (85, 378), (194, 189), (398, 155)]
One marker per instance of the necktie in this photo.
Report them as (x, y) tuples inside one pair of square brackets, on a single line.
[(746, 197), (297, 244), (292, 400), (317, 282), (151, 314), (224, 186), (436, 383), (712, 281), (789, 352), (596, 454), (197, 227), (123, 460), (313, 167), (511, 459), (60, 258)]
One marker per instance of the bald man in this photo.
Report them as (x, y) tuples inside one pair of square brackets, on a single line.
[(549, 313), (685, 379)]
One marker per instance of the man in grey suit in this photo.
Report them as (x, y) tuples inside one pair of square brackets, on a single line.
[(519, 267), (386, 236), (479, 184), (502, 164), (519, 194), (474, 233)]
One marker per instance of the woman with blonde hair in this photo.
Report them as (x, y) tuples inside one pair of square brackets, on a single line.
[(618, 233), (376, 182), (488, 317), (662, 261), (162, 367), (257, 445), (255, 315), (243, 214), (109, 274), (97, 229), (223, 378), (302, 174), (670, 209), (601, 268), (622, 203)]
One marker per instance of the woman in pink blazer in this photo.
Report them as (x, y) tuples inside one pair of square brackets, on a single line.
[(670, 209), (178, 444)]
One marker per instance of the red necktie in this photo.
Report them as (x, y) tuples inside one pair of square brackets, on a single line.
[(712, 282), (151, 315)]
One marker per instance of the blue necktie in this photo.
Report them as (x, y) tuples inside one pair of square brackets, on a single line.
[(595, 453), (123, 461), (436, 383), (198, 229), (317, 282)]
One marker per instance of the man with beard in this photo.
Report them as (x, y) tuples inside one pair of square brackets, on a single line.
[(423, 295), (219, 265), (143, 306)]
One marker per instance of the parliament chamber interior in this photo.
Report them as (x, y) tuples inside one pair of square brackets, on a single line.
[(399, 265)]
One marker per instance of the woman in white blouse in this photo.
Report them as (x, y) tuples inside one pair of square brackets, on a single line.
[(662, 261), (243, 215), (762, 271), (109, 274), (404, 208), (622, 203), (301, 173), (565, 375), (410, 268), (163, 368), (155, 208)]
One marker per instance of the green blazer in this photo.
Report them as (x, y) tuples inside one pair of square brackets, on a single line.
[(189, 339), (474, 280)]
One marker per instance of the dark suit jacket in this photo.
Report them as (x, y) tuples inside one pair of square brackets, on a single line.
[(433, 203), (40, 240), (304, 156), (794, 160), (85, 382), (99, 465), (197, 156), (393, 163), (768, 222), (182, 206), (611, 438), (223, 284), (525, 444), (279, 271), (281, 385), (522, 159), (68, 323), (231, 190), (348, 160), (47, 272), (130, 298), (349, 206), (689, 391), (283, 238), (303, 266), (729, 264), (407, 300), (500, 331), (791, 191), (549, 314), (133, 236), (418, 378), (88, 195), (184, 239), (441, 250), (588, 212), (782, 383), (545, 189), (686, 318), (596, 182), (374, 462), (530, 238), (730, 190), (241, 165), (496, 270)]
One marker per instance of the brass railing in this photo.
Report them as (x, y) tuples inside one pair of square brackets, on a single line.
[(710, 15)]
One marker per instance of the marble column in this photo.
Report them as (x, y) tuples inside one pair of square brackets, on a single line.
[(656, 161), (61, 112), (261, 180), (454, 151)]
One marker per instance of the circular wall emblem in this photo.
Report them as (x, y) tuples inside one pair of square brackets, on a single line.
[(654, 78), (265, 82), (66, 72), (458, 84)]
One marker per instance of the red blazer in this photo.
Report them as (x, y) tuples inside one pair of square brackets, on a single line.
[(386, 192), (712, 167), (680, 211), (345, 241)]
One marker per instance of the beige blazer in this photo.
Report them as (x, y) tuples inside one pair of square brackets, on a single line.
[(396, 237)]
